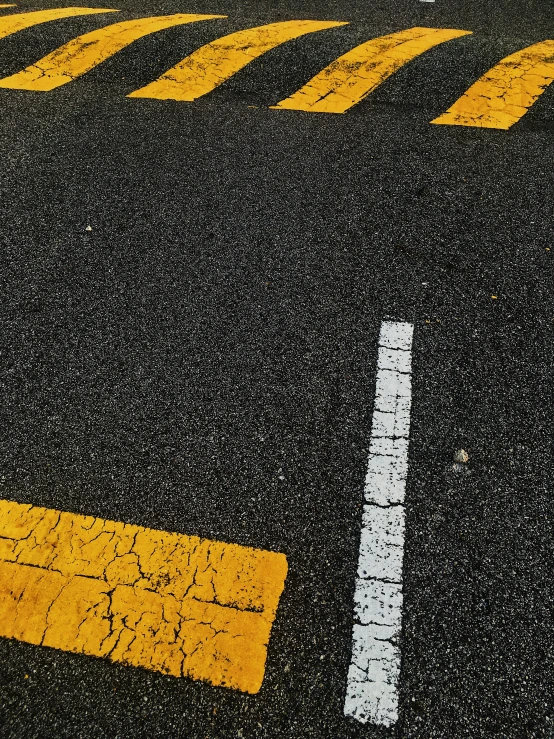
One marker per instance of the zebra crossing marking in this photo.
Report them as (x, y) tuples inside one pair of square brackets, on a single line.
[(497, 100), (506, 92), (85, 52), (214, 63), (354, 75)]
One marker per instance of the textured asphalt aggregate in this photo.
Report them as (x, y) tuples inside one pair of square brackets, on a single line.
[(203, 360)]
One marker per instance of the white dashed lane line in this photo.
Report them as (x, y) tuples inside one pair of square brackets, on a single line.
[(372, 686)]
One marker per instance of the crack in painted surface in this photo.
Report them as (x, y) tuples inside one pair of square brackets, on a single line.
[(372, 687), (81, 54), (505, 93), (177, 604), (354, 75), (212, 64)]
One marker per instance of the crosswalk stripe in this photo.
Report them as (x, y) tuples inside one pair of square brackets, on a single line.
[(351, 77), (19, 21), (85, 52), (505, 93), (176, 604), (212, 64)]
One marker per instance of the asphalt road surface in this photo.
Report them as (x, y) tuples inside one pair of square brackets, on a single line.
[(192, 295)]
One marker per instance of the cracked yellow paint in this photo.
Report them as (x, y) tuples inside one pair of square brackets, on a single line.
[(505, 93), (164, 601), (351, 77), (13, 23), (212, 64), (85, 52)]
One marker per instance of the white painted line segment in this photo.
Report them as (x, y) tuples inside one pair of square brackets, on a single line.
[(372, 686)]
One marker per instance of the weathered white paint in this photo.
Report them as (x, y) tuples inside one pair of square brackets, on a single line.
[(372, 688)]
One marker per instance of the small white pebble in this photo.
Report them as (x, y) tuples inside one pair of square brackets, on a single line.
[(88, 228), (461, 456)]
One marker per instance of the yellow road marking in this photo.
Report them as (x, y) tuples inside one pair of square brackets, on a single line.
[(505, 93), (167, 602), (351, 77), (8, 6), (212, 64), (13, 23), (85, 52)]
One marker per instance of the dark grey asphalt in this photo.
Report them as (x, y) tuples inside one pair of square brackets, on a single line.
[(218, 327)]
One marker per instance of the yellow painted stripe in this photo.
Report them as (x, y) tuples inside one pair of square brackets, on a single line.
[(85, 52), (176, 604), (209, 66), (8, 6), (505, 93), (351, 77), (13, 23)]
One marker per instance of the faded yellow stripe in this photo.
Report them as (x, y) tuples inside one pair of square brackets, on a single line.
[(351, 77), (505, 93), (85, 52), (168, 602), (8, 6), (13, 23), (212, 64)]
